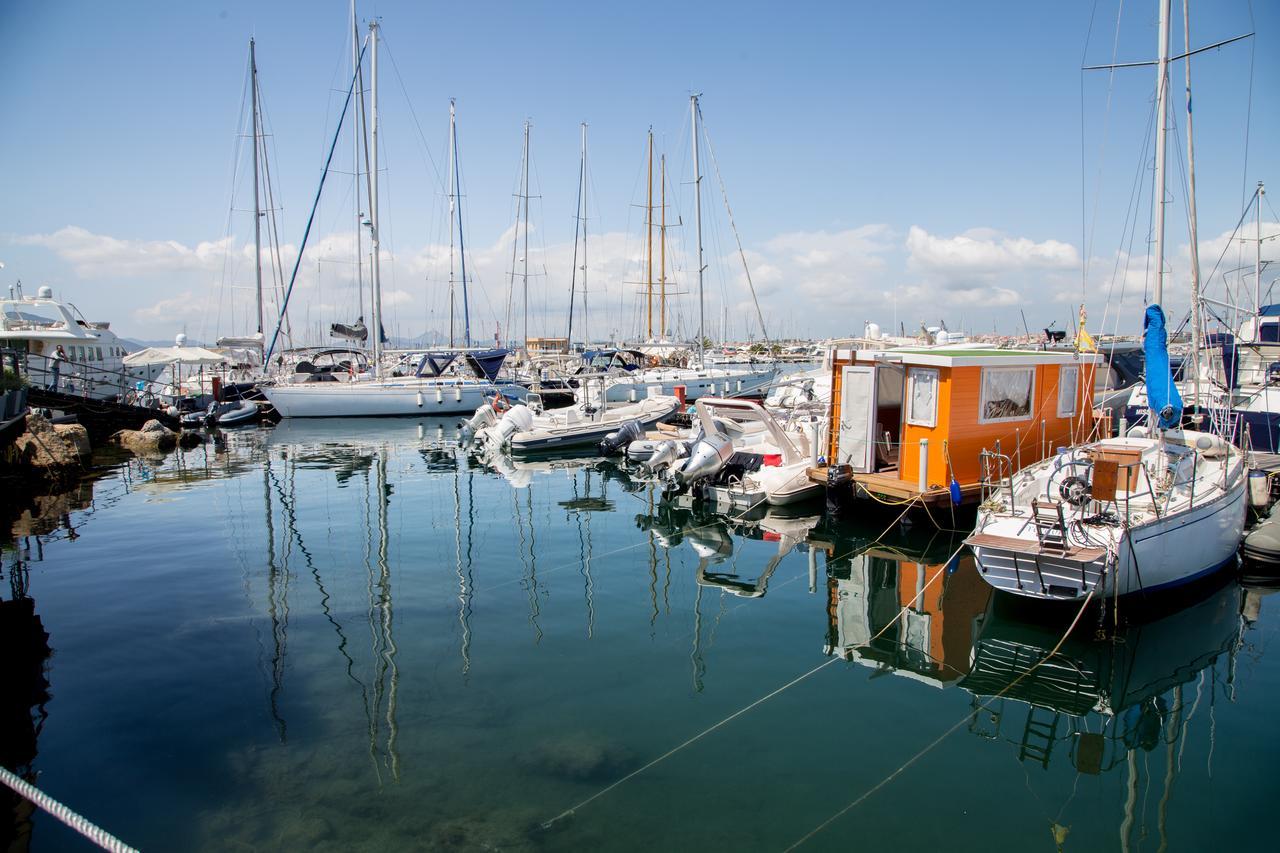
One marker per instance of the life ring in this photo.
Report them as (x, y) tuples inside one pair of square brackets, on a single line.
[(500, 403)]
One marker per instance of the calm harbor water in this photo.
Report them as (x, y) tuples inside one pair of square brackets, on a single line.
[(344, 635)]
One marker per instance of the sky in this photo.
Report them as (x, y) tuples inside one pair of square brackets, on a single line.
[(897, 163)]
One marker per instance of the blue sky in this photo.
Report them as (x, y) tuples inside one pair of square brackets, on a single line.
[(918, 161)]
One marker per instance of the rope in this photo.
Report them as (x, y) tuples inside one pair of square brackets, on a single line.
[(913, 759), (573, 809), (85, 827), (569, 811)]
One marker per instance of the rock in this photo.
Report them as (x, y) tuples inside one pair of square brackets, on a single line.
[(76, 435), (189, 438), (581, 756), (153, 438), (55, 450)]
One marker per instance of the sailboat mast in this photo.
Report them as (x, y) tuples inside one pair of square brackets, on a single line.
[(582, 184), (662, 251), (577, 228), (373, 207), (257, 205), (355, 158), (697, 207), (1162, 121), (1257, 258), (462, 241), (648, 229), (1191, 210), (525, 273), (452, 195)]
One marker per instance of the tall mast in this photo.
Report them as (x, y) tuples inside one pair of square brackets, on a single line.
[(462, 242), (662, 252), (1257, 258), (355, 156), (452, 195), (257, 207), (1191, 209), (648, 230), (373, 208), (697, 207), (1162, 120), (582, 183), (525, 274)]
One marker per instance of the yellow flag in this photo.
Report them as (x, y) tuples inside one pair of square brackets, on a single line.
[(1084, 340)]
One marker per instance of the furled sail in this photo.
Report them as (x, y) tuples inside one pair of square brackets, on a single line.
[(355, 332), (1162, 393)]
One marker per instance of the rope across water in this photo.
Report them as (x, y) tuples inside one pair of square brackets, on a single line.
[(80, 824)]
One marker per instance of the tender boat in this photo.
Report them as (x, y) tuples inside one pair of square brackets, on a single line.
[(526, 429)]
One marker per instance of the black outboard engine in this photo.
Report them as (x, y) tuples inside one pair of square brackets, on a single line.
[(616, 441)]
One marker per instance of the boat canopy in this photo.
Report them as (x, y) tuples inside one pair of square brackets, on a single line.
[(173, 355), (487, 363)]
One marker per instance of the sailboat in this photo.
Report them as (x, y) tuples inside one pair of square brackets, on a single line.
[(699, 378), (1132, 514), (441, 383)]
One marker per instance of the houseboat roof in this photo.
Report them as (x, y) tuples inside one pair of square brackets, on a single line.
[(970, 357)]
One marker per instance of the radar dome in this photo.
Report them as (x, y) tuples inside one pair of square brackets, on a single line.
[(45, 292)]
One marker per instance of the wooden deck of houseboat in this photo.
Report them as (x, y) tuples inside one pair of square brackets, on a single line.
[(885, 484)]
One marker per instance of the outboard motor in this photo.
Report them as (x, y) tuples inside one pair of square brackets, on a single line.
[(615, 441), (484, 417), (666, 453), (517, 419), (706, 457)]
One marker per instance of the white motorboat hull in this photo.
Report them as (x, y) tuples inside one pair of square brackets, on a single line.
[(384, 399), (1161, 554), (545, 439)]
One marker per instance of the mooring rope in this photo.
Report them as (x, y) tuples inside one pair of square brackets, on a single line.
[(573, 809), (913, 759), (80, 824)]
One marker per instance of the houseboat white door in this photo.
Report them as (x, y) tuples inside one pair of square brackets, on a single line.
[(856, 447)]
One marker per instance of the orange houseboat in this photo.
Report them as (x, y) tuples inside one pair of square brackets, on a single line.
[(908, 421)]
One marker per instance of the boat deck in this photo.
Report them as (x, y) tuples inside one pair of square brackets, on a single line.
[(886, 484), (1033, 548)]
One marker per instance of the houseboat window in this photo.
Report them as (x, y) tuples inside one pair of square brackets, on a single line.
[(1269, 333), (1006, 393), (97, 353), (1068, 386), (923, 410)]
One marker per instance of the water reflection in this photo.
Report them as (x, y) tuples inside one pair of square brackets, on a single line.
[(888, 608), (1110, 699)]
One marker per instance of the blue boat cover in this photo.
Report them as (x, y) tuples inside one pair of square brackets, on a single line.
[(487, 363), (1162, 393), (434, 363), (1269, 311)]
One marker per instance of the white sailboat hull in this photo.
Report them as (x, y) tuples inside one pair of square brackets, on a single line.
[(711, 382), (396, 398), (1161, 554)]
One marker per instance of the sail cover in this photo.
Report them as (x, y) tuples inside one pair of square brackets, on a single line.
[(1162, 393)]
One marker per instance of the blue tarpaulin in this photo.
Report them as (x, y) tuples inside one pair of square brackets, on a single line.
[(1162, 393)]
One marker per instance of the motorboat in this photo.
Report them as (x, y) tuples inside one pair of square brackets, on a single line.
[(92, 363), (527, 429), (754, 462)]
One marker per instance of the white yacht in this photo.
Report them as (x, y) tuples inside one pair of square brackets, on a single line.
[(93, 362)]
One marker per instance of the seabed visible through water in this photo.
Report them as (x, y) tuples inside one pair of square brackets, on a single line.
[(346, 635)]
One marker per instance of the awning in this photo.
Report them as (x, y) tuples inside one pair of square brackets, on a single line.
[(173, 355)]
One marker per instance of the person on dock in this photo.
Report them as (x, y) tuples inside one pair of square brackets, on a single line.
[(59, 356)]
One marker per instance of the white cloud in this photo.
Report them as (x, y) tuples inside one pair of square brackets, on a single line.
[(983, 252)]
